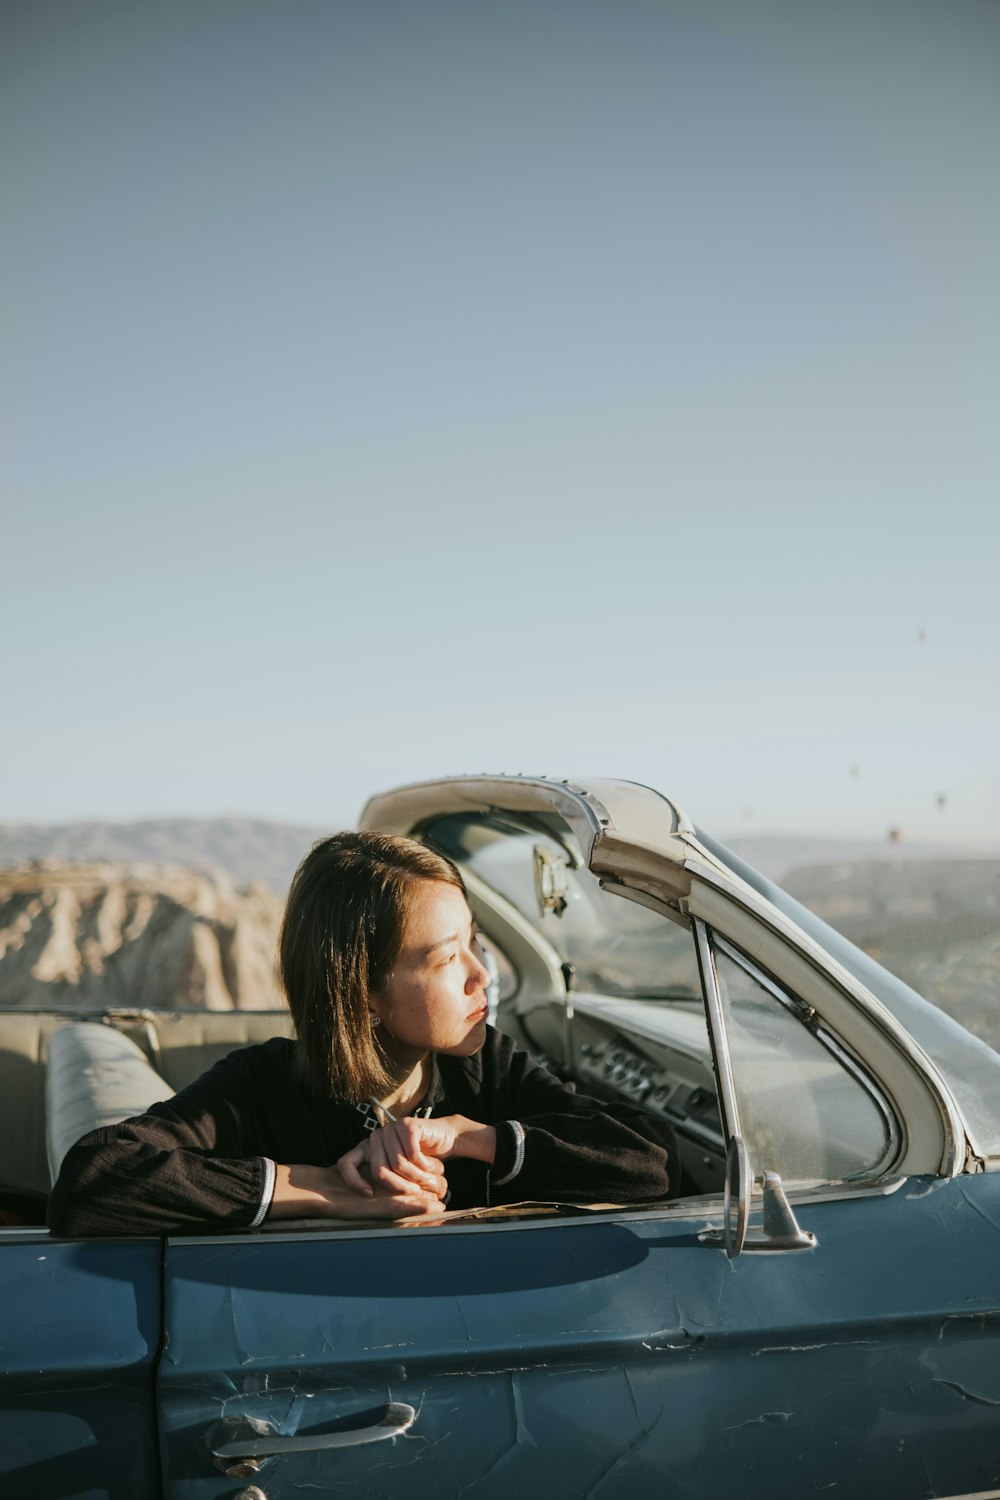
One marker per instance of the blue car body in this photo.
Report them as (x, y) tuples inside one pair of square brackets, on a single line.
[(613, 1353), (613, 1357)]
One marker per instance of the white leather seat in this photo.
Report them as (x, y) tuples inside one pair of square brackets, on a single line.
[(96, 1076)]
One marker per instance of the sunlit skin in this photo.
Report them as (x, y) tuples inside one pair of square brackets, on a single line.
[(434, 1000)]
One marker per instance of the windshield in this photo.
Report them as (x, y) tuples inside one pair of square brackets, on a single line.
[(967, 1063), (615, 946)]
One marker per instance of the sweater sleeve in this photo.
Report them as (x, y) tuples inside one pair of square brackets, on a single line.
[(565, 1147), (194, 1162)]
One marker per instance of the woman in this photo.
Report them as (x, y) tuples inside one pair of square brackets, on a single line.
[(395, 1099)]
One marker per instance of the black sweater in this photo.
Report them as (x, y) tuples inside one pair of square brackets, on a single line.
[(196, 1162)]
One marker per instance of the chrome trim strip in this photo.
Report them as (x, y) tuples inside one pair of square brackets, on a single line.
[(717, 1032), (699, 1210)]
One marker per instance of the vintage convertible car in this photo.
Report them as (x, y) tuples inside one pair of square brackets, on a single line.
[(816, 1312)]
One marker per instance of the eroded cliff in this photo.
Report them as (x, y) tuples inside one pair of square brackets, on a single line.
[(160, 937)]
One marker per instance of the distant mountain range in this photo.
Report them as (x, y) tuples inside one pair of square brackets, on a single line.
[(256, 849), (250, 850), (776, 855)]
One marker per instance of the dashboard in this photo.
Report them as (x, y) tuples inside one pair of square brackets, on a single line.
[(652, 1053)]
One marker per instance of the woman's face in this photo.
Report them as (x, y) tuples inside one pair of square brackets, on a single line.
[(435, 998)]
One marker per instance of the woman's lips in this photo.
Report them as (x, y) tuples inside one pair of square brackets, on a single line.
[(480, 1013)]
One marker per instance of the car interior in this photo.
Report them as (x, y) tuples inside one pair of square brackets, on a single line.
[(63, 1074), (602, 990)]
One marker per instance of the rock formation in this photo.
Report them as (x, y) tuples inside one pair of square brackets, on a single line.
[(143, 936)]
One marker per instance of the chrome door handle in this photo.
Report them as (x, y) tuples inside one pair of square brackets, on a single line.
[(233, 1440)]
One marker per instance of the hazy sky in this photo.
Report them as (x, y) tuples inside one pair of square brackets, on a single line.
[(400, 389)]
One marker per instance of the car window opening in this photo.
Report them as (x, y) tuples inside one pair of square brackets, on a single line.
[(605, 993)]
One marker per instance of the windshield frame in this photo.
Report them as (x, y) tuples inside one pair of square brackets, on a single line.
[(968, 1065)]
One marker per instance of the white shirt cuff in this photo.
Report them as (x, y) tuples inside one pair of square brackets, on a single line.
[(266, 1195), (518, 1130)]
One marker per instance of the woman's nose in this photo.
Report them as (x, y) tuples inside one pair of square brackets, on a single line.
[(478, 976)]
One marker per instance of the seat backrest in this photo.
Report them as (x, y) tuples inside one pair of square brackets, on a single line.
[(24, 1047), (96, 1076), (188, 1043), (180, 1045)]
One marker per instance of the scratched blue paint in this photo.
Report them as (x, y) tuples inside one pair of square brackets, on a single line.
[(80, 1328), (608, 1358), (611, 1357)]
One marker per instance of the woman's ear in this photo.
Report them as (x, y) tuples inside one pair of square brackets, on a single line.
[(376, 1008)]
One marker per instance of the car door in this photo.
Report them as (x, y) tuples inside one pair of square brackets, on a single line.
[(622, 1353), (613, 1356), (80, 1326)]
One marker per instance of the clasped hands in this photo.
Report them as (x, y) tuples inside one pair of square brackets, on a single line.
[(407, 1156), (401, 1157), (395, 1172)]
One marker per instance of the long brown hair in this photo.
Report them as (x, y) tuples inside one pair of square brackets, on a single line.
[(341, 933)]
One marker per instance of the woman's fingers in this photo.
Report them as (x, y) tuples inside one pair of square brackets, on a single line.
[(407, 1178), (392, 1156), (377, 1160), (387, 1184), (403, 1157), (418, 1140), (349, 1167), (398, 1205)]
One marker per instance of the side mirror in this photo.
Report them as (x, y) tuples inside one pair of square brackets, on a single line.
[(780, 1229)]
